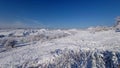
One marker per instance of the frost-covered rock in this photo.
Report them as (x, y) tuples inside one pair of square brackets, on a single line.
[(1, 36), (9, 43)]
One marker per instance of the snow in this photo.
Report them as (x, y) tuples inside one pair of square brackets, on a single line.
[(37, 52)]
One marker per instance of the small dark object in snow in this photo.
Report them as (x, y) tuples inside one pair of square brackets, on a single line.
[(25, 33), (10, 35), (117, 30), (118, 65), (1, 36), (10, 43)]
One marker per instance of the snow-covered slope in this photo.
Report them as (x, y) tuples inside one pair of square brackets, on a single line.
[(78, 48)]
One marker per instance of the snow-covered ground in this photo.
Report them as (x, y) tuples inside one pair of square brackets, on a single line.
[(43, 48)]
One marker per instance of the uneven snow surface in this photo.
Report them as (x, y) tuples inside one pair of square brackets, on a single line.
[(73, 48)]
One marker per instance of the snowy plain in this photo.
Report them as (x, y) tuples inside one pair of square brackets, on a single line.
[(43, 48)]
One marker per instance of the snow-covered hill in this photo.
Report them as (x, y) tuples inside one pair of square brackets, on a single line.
[(73, 48)]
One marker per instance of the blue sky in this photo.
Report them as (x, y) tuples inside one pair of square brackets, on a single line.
[(58, 13)]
